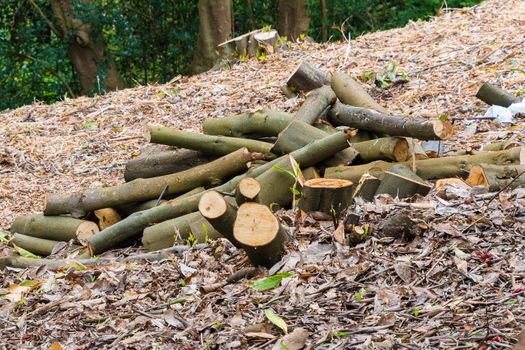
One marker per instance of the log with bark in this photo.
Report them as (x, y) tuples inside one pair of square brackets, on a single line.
[(350, 92), (250, 44), (220, 214), (502, 145), (264, 123), (207, 144), (329, 196), (367, 187), (138, 190), (395, 125), (158, 161), (386, 148), (315, 104), (38, 246), (310, 173), (493, 95), (298, 134), (107, 217), (309, 155), (433, 168), (260, 233), (56, 228), (496, 177), (281, 184), (128, 209), (307, 76), (399, 181), (178, 230), (247, 190)]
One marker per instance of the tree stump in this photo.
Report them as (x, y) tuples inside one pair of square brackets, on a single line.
[(400, 181), (306, 77), (329, 196)]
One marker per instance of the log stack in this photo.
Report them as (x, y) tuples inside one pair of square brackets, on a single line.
[(226, 181)]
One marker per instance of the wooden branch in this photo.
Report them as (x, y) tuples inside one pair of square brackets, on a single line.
[(55, 228), (496, 177), (252, 125), (395, 125), (386, 148), (38, 246), (329, 196), (502, 145), (315, 104), (260, 233), (220, 214), (306, 77), (156, 161), (277, 183), (107, 217), (493, 95), (367, 187), (207, 144), (138, 190), (433, 168), (350, 92), (247, 191), (399, 181)]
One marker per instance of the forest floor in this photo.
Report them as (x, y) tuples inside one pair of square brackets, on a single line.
[(458, 285)]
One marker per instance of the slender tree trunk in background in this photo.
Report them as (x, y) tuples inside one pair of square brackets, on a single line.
[(293, 18), (324, 20), (249, 15), (95, 66), (215, 27)]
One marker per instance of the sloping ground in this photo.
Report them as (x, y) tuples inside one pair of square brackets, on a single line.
[(458, 285)]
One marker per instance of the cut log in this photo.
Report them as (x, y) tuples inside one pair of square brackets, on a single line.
[(220, 214), (496, 177), (309, 155), (267, 41), (138, 190), (55, 228), (307, 76), (247, 190), (242, 45), (38, 246), (178, 230), (367, 187), (315, 104), (350, 92), (329, 196), (310, 173), (433, 168), (502, 145), (395, 125), (415, 151), (265, 123), (399, 181), (493, 95), (107, 217), (298, 134), (157, 161), (278, 185), (207, 144), (128, 209), (260, 233), (385, 148)]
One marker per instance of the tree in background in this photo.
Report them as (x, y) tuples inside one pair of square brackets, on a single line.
[(293, 18), (215, 17)]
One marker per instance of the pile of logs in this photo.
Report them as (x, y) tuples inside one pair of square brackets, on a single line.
[(228, 181)]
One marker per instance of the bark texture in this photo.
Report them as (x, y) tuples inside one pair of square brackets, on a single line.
[(350, 92), (307, 76), (317, 101), (399, 181), (329, 196), (293, 18), (493, 95)]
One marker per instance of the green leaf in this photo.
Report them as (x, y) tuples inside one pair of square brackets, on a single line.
[(341, 334), (416, 311), (269, 282), (4, 236), (276, 319), (443, 117), (90, 125), (283, 170), (29, 283), (25, 253)]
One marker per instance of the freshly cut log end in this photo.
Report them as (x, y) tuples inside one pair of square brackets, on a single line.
[(86, 230), (260, 233), (443, 129), (306, 77), (400, 181), (247, 190), (386, 148), (476, 177), (220, 213), (107, 217), (212, 205), (329, 196), (496, 177)]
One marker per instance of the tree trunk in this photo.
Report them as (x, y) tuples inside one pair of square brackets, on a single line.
[(220, 214), (215, 18), (329, 196), (307, 76), (293, 18), (386, 148), (91, 59), (399, 181), (350, 92)]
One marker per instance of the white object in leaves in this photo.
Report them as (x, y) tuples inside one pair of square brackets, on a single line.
[(517, 108), (501, 114)]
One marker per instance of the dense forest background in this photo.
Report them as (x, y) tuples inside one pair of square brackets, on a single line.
[(151, 41)]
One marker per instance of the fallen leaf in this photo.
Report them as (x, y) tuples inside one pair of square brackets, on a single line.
[(276, 319)]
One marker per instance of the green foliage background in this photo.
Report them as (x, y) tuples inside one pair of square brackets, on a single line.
[(153, 40)]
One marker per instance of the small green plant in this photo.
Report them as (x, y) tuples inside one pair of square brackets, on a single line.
[(217, 324), (261, 56), (297, 176), (341, 334), (416, 311), (182, 282), (360, 294), (191, 240)]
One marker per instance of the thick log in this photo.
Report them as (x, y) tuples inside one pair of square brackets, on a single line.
[(496, 177), (135, 223), (128, 209), (265, 123), (157, 161), (247, 191), (310, 173), (260, 233), (433, 168), (138, 190), (395, 125), (493, 95), (386, 148), (415, 150), (502, 145), (350, 92), (220, 214), (315, 104), (207, 144), (281, 184), (367, 187), (298, 134), (178, 230), (399, 181), (38, 246), (307, 76), (329, 196), (107, 217), (56, 228)]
